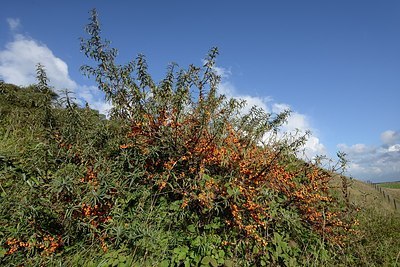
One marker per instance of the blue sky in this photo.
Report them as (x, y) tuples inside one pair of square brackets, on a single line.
[(336, 64)]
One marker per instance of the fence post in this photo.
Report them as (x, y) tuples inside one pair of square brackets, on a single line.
[(395, 205)]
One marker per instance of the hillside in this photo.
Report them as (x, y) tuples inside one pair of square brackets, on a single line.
[(392, 188), (379, 224), (368, 196), (22, 124)]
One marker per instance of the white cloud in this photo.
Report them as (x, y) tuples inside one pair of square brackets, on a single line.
[(300, 123), (13, 23), (356, 149), (375, 163), (390, 137), (220, 71), (297, 123), (18, 66), (394, 148), (224, 73), (19, 58), (90, 94), (229, 90)]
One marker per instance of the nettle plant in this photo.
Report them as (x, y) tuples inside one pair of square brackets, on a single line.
[(193, 146)]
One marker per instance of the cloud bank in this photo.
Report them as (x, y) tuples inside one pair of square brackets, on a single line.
[(375, 163), (18, 62)]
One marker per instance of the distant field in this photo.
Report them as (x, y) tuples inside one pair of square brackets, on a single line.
[(392, 188), (394, 185)]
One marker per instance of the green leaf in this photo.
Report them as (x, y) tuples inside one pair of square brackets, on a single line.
[(255, 250), (192, 228), (230, 191), (213, 262), (196, 242), (206, 260), (164, 263), (229, 263), (115, 262), (221, 253), (2, 252)]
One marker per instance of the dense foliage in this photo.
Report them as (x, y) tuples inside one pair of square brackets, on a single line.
[(177, 176)]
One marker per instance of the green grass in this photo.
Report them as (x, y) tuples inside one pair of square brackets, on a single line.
[(393, 190), (366, 196), (377, 239), (394, 185)]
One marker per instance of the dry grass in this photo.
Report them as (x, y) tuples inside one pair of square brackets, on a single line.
[(366, 196), (394, 192)]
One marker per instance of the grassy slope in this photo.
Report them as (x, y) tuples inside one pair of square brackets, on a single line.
[(394, 192), (378, 240), (366, 196), (393, 189)]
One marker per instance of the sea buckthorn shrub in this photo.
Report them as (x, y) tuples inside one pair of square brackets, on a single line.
[(195, 148), (178, 175)]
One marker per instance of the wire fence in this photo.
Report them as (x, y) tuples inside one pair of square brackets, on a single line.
[(389, 198)]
